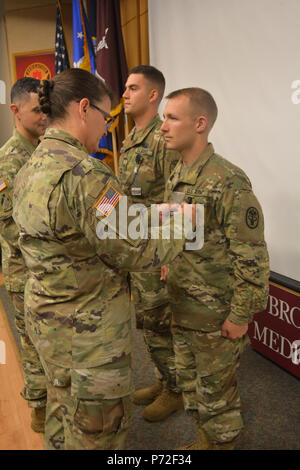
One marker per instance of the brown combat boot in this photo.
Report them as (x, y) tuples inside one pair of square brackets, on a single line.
[(165, 404), (145, 396), (204, 443), (38, 416)]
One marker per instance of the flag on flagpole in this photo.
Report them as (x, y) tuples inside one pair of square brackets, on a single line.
[(83, 51), (111, 62), (110, 54), (105, 148), (92, 19), (84, 57), (61, 54)]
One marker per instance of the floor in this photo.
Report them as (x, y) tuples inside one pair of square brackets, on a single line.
[(15, 430)]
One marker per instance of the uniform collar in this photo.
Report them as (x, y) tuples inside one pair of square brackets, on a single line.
[(189, 174), (137, 136), (26, 144), (58, 134)]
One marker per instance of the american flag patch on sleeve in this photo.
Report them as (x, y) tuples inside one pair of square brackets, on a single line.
[(2, 184), (108, 201)]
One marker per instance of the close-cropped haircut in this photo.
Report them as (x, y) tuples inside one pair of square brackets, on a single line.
[(153, 75), (23, 87), (71, 85), (201, 101)]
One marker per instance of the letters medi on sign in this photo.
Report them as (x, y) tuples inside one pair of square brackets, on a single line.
[(275, 333)]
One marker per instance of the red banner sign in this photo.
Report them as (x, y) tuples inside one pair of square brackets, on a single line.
[(35, 65), (275, 333)]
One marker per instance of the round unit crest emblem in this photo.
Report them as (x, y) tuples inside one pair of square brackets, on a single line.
[(38, 70)]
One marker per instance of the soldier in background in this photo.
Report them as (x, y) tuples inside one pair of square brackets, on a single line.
[(30, 124), (144, 168), (215, 290), (76, 299)]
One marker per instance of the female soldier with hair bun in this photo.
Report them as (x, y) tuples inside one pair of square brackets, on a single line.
[(76, 299)]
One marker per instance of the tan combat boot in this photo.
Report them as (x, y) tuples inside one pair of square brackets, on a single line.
[(38, 416), (204, 443), (165, 404), (224, 445), (145, 396)]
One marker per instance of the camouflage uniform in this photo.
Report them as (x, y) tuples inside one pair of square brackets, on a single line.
[(13, 155), (76, 299), (144, 168), (227, 278)]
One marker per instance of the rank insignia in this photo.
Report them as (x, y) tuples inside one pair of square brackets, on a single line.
[(252, 217), (108, 201), (2, 184)]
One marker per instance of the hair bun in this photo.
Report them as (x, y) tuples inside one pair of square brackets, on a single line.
[(44, 93)]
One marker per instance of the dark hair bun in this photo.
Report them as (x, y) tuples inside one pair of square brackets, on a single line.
[(45, 90)]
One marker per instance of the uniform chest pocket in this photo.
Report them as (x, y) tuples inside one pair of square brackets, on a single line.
[(142, 162), (206, 210), (134, 158), (194, 196), (141, 172)]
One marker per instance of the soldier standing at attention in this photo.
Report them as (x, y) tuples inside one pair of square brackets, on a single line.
[(30, 124), (144, 168), (77, 301), (214, 290)]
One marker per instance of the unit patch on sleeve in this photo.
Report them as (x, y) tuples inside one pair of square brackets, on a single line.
[(108, 201), (2, 184), (252, 217)]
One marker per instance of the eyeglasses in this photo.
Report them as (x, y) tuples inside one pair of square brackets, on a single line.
[(109, 120)]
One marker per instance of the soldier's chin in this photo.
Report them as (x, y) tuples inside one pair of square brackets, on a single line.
[(92, 148), (169, 144), (42, 130)]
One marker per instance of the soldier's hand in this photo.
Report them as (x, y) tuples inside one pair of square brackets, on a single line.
[(164, 273), (189, 210), (232, 331), (166, 209)]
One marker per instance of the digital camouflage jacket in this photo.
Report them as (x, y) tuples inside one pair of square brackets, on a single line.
[(76, 298), (145, 164), (13, 155), (228, 276)]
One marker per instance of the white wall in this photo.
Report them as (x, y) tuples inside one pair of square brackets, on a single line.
[(246, 53)]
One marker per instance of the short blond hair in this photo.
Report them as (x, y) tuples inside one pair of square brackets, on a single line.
[(201, 101)]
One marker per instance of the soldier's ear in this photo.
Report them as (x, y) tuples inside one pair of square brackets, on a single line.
[(153, 95), (14, 109), (83, 107), (201, 124)]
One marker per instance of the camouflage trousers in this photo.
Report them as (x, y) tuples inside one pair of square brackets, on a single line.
[(153, 316), (35, 391), (206, 367), (74, 423)]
